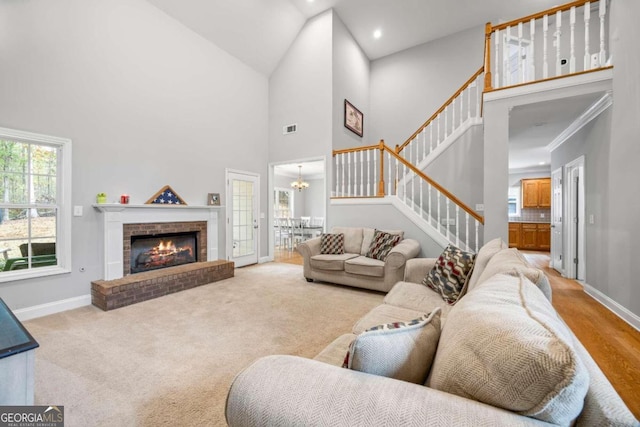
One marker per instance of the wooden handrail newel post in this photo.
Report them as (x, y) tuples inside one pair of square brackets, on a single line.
[(381, 183)]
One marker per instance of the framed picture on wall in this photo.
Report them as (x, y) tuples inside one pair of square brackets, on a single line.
[(213, 199), (353, 118)]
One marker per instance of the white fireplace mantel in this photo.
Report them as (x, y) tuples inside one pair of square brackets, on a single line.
[(115, 215)]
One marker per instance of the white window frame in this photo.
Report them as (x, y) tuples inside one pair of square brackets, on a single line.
[(291, 199), (515, 192), (63, 198)]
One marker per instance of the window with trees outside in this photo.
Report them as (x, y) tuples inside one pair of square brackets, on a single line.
[(283, 203), (35, 198)]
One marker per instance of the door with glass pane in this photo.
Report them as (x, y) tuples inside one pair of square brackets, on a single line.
[(242, 217)]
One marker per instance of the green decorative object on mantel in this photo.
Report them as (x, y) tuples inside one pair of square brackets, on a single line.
[(101, 198)]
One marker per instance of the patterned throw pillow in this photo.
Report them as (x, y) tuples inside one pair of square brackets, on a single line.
[(400, 350), (382, 244), (450, 273), (332, 244)]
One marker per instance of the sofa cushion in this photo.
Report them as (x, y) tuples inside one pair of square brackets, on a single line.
[(400, 350), (352, 238), (509, 261), (382, 244), (503, 344), (330, 262), (415, 296), (367, 238), (486, 252), (333, 354), (450, 272), (385, 313), (364, 266), (332, 244)]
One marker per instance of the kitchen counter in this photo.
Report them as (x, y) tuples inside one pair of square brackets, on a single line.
[(522, 221)]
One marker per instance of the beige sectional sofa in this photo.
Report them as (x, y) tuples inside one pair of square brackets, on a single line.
[(354, 268), (503, 357)]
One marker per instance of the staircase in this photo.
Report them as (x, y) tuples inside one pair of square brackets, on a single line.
[(510, 61)]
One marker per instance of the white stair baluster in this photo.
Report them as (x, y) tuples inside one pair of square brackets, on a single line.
[(545, 55), (572, 48), (439, 214), (447, 203), (602, 13), (421, 200), (496, 71), (438, 133), (430, 137), (457, 226), (374, 189), (349, 174), (361, 173), (429, 210), (477, 226), (453, 115), (558, 34), (336, 166), (466, 229), (478, 96), (390, 183), (532, 63), (587, 19), (446, 122), (505, 58), (521, 70), (342, 181)]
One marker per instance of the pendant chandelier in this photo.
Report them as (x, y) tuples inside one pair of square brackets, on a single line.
[(299, 184)]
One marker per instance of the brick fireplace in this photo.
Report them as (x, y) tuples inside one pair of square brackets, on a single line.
[(162, 228), (121, 222)]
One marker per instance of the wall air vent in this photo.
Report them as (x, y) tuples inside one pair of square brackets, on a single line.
[(286, 130)]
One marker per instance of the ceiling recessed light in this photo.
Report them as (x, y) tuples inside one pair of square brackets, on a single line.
[(541, 163), (377, 34)]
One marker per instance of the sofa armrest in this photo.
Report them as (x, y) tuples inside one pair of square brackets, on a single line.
[(418, 268), (289, 390), (406, 249), (310, 247)]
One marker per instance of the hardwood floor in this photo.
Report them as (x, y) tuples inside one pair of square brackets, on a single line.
[(613, 343), (287, 256)]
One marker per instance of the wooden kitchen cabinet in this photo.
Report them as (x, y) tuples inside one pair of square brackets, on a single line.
[(530, 236), (544, 237), (536, 193), (514, 234)]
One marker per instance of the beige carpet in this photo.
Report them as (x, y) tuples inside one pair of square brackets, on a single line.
[(170, 361)]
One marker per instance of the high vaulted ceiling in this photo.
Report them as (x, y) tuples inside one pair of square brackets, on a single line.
[(259, 32)]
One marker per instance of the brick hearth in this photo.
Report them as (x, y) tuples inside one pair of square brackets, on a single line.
[(110, 294)]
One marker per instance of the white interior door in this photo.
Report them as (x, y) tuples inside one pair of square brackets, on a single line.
[(242, 217), (556, 221), (574, 227)]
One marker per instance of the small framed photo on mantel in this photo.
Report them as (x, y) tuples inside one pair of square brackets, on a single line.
[(353, 118), (213, 199)]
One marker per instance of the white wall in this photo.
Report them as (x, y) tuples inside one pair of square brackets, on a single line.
[(351, 82), (300, 92), (146, 101), (409, 86)]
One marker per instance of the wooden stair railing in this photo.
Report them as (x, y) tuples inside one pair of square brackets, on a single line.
[(360, 172), (446, 111), (509, 58)]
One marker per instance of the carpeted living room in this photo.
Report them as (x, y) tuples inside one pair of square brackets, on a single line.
[(319, 212)]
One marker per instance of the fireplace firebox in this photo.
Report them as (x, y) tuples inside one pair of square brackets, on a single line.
[(152, 252)]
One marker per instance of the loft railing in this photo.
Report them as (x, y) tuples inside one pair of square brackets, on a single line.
[(463, 105), (561, 41), (361, 172)]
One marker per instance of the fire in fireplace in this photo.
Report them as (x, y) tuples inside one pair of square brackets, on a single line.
[(160, 251)]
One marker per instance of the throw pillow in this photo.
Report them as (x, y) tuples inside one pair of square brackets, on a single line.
[(400, 350), (332, 244), (450, 273), (503, 344), (382, 244)]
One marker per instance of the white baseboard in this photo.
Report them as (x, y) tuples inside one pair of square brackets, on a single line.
[(616, 308), (52, 307), (265, 259)]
